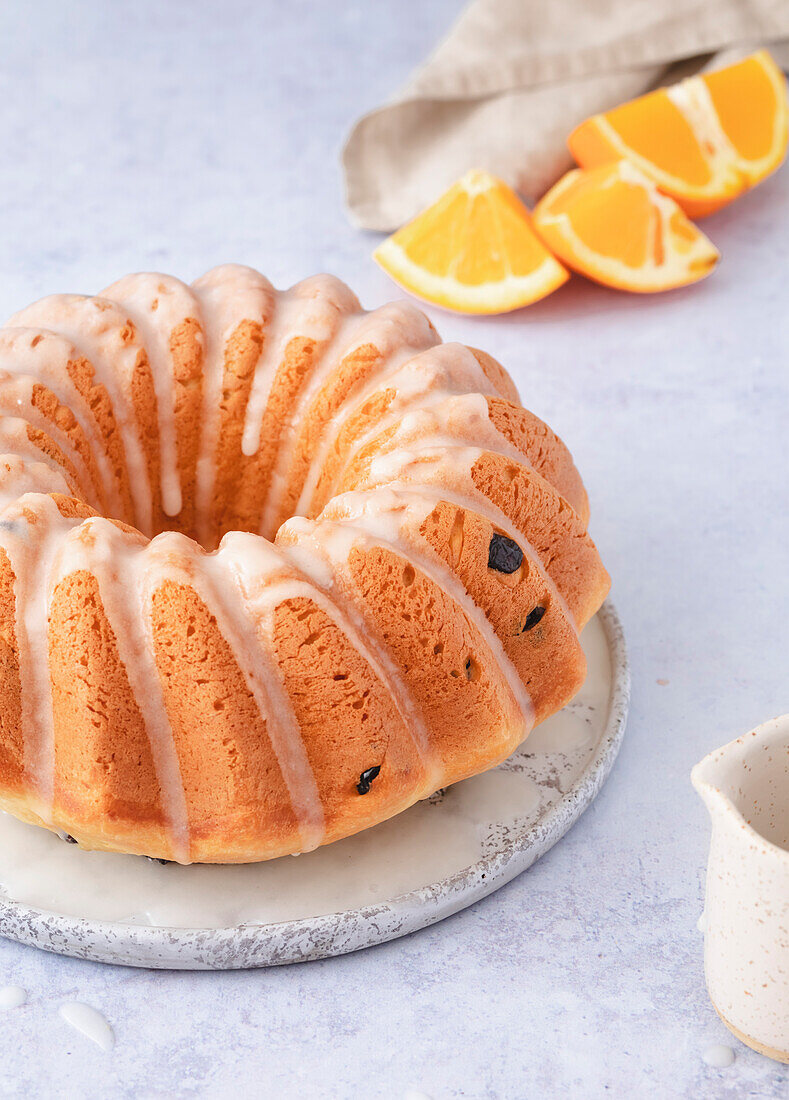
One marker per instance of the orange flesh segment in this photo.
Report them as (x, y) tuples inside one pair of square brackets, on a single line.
[(655, 128), (624, 236), (684, 231), (480, 257), (746, 104), (433, 251), (531, 251)]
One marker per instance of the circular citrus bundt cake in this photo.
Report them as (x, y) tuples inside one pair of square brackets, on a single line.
[(174, 684)]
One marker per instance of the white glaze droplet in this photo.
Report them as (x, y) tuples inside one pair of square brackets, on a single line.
[(718, 1056), (701, 923), (89, 1022), (12, 996)]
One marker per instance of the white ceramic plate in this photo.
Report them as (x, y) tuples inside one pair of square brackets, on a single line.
[(436, 858)]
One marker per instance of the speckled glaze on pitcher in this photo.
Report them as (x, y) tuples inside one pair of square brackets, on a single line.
[(745, 786)]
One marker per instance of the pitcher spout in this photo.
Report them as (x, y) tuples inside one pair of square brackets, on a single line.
[(748, 780), (745, 786), (710, 779)]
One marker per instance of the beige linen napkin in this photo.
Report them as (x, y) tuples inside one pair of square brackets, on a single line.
[(513, 78)]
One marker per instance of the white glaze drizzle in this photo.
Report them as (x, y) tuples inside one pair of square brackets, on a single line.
[(462, 419), (368, 642), (310, 309), (222, 580), (474, 501), (422, 380), (435, 433), (32, 528), (44, 356), (20, 475), (397, 330), (378, 519), (450, 422), (234, 582), (14, 440), (125, 570), (94, 326), (157, 305), (16, 394), (441, 467), (228, 295)]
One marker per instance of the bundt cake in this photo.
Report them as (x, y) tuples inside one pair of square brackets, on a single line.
[(174, 684)]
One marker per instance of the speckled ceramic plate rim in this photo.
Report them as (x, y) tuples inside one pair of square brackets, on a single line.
[(336, 933)]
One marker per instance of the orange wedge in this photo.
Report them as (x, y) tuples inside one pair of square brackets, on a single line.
[(613, 225), (703, 141), (473, 251)]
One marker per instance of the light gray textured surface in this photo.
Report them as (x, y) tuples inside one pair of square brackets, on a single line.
[(178, 135)]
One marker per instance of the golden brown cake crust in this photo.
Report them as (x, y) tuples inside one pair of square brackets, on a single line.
[(172, 683)]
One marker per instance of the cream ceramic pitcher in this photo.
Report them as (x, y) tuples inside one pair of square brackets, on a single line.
[(745, 786)]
